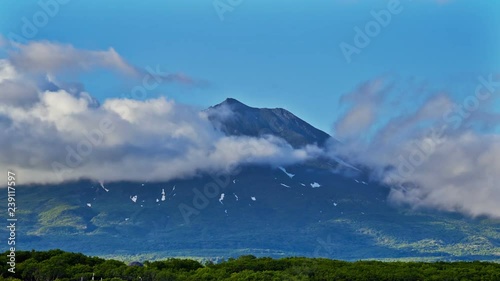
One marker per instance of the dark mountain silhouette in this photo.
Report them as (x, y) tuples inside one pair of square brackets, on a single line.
[(255, 122)]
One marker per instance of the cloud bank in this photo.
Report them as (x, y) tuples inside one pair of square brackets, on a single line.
[(434, 149), (55, 132)]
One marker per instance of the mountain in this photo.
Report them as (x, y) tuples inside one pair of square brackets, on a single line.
[(260, 210), (255, 122)]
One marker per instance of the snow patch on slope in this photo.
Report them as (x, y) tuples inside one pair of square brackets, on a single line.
[(315, 184), (284, 171), (102, 185), (342, 162)]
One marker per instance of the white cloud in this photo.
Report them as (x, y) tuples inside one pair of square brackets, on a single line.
[(461, 175), (7, 71), (355, 121), (436, 156)]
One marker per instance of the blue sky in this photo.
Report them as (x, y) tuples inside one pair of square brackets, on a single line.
[(275, 53)]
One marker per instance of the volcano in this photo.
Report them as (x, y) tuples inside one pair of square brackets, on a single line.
[(306, 209)]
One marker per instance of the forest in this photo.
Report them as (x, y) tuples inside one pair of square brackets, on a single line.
[(65, 266)]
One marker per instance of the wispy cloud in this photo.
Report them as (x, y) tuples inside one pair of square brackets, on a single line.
[(45, 57), (363, 105), (437, 155)]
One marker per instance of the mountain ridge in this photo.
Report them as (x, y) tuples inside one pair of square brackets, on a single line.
[(256, 122)]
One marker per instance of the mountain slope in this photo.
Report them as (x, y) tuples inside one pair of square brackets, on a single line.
[(260, 210), (263, 211)]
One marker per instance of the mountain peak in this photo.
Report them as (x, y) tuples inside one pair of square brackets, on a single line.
[(255, 122), (233, 103)]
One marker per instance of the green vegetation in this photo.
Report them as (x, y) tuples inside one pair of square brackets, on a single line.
[(65, 266), (341, 220)]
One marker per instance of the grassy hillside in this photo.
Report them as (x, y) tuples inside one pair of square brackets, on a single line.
[(264, 212)]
